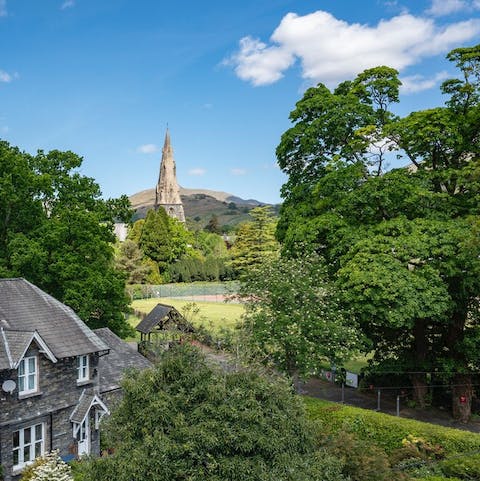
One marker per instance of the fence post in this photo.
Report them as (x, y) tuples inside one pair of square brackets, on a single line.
[(378, 399), (343, 393), (398, 406)]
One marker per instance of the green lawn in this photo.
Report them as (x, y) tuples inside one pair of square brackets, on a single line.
[(213, 315)]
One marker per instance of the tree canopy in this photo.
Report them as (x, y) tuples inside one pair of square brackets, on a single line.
[(57, 232), (401, 246), (255, 241), (186, 419)]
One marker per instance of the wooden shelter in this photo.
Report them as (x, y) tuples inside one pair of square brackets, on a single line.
[(162, 326)]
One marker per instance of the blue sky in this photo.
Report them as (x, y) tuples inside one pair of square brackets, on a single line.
[(104, 77)]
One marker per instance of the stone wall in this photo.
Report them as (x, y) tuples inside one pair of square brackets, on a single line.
[(52, 405)]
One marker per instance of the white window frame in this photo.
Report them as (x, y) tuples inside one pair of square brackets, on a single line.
[(83, 368), (33, 448), (24, 365)]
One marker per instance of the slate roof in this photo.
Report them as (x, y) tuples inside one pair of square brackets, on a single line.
[(85, 403), (24, 308), (161, 315), (120, 358), (14, 344)]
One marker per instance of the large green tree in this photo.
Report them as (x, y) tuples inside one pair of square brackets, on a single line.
[(185, 419), (57, 232), (293, 316), (255, 241), (402, 246)]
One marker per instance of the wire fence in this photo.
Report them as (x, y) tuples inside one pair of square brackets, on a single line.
[(207, 291)]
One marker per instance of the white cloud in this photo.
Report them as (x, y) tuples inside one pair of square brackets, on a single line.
[(260, 64), (67, 4), (147, 149), (3, 8), (238, 171), (197, 171), (5, 77), (446, 7), (331, 50), (417, 83)]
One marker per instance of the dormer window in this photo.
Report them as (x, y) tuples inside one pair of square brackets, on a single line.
[(83, 369), (28, 375)]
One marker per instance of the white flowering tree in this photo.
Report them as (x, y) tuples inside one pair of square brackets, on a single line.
[(48, 468), (294, 316)]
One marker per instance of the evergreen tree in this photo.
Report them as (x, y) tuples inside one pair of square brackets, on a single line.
[(255, 241)]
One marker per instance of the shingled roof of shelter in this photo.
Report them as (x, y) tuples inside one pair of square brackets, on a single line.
[(25, 307), (120, 358), (159, 316)]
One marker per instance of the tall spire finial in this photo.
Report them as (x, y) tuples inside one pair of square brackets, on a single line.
[(167, 194)]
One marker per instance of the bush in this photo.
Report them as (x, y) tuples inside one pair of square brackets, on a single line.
[(464, 467), (436, 478), (186, 419), (389, 431), (362, 460)]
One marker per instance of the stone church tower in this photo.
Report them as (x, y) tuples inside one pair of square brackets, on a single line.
[(167, 192)]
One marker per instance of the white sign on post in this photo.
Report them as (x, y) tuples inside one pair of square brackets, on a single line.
[(351, 379)]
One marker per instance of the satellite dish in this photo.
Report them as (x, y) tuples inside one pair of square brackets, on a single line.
[(9, 386)]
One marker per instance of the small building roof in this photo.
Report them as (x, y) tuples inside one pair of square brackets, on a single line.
[(163, 316), (120, 358), (85, 403), (24, 308)]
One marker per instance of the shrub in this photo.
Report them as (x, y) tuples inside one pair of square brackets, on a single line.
[(464, 467), (389, 431), (362, 460)]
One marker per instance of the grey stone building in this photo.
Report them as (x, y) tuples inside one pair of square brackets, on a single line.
[(55, 377), (167, 192)]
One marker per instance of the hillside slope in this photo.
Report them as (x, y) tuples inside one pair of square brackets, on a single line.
[(200, 205)]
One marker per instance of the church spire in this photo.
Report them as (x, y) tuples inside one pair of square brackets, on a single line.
[(167, 192)]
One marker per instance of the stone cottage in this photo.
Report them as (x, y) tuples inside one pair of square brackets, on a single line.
[(56, 378)]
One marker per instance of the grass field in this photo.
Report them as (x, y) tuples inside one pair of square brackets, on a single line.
[(214, 315)]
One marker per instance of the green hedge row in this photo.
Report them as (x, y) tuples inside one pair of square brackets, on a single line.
[(388, 431)]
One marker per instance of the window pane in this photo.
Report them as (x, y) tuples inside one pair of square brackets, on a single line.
[(31, 364), (26, 454), (21, 368), (31, 382), (38, 432), (21, 384), (16, 439), (38, 449), (27, 435), (16, 452)]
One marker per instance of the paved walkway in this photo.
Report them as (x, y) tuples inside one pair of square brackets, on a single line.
[(368, 400)]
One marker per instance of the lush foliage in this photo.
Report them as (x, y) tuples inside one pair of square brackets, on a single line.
[(186, 420), (389, 431), (402, 246), (294, 317), (423, 450), (57, 232), (161, 249), (255, 241)]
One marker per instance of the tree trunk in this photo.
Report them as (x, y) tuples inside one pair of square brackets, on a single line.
[(419, 379), (420, 388), (462, 397)]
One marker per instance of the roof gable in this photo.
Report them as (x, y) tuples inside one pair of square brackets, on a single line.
[(163, 316), (26, 308), (16, 343)]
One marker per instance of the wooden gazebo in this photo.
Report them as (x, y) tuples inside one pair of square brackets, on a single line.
[(162, 326)]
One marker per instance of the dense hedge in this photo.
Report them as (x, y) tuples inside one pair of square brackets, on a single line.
[(388, 431)]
